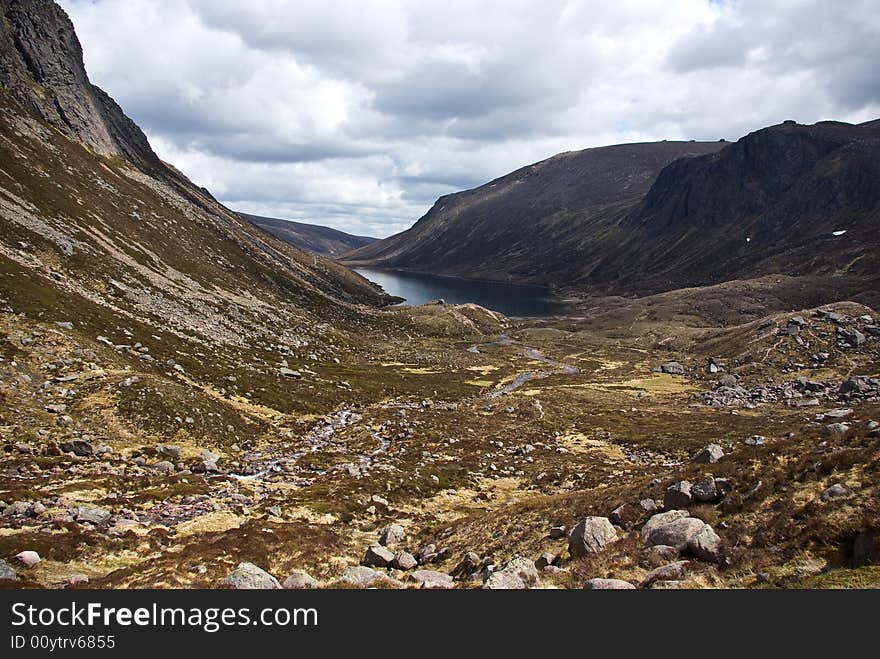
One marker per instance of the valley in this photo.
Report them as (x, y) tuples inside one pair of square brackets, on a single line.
[(645, 400)]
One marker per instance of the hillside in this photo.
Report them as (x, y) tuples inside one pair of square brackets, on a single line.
[(315, 238), (90, 214), (535, 224)]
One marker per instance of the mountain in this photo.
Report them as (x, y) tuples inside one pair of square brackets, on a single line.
[(91, 218), (647, 218), (323, 240), (788, 199), (535, 224)]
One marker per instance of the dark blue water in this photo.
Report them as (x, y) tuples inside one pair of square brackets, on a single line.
[(418, 288)]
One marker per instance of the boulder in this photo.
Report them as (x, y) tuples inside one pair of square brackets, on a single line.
[(517, 574), (403, 560), (469, 564), (391, 535), (360, 576), (709, 455), (248, 576), (672, 368), (608, 584), (300, 580), (91, 515), (78, 447), (678, 495), (677, 533), (431, 579), (164, 467), (706, 545), (28, 558), (705, 491), (7, 572), (377, 556), (169, 451), (557, 532), (591, 535), (662, 519)]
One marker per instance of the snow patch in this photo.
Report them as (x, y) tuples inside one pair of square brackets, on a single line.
[(838, 233)]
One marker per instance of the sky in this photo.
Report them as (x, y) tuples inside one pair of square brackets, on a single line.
[(359, 114)]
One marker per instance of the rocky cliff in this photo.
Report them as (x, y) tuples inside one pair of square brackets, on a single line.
[(42, 67)]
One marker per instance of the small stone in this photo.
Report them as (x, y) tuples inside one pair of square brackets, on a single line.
[(836, 491), (756, 440), (78, 447), (92, 515), (835, 430), (648, 505), (545, 559), (169, 450), (78, 580), (164, 467), (557, 532), (468, 565)]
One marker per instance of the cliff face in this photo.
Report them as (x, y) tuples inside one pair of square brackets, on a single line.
[(41, 65), (789, 199)]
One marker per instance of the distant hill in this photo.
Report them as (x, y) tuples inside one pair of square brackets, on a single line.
[(323, 240)]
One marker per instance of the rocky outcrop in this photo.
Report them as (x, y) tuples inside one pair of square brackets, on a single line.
[(41, 65)]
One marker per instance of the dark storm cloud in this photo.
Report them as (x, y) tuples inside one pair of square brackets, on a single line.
[(360, 114)]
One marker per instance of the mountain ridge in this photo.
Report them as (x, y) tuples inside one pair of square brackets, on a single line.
[(313, 237)]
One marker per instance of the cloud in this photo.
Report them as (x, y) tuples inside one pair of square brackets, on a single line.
[(359, 114)]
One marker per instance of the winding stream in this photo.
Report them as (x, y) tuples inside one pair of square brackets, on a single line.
[(276, 461), (527, 376)]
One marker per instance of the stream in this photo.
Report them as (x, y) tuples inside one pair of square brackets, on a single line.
[(526, 376), (277, 461)]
